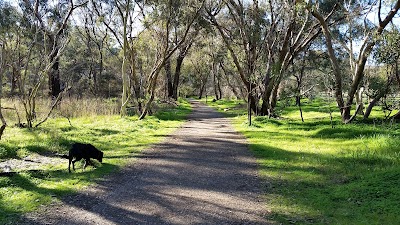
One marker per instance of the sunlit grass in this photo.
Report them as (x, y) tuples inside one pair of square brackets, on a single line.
[(121, 139), (316, 174)]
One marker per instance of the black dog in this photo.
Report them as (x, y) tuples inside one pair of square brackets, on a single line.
[(83, 151)]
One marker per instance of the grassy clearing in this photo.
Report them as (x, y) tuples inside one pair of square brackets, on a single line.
[(121, 139), (316, 174)]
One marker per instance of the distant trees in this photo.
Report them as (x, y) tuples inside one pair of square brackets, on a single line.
[(388, 54), (367, 45), (259, 51), (163, 30), (52, 21)]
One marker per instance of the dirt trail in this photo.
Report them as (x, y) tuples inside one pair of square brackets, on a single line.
[(201, 174)]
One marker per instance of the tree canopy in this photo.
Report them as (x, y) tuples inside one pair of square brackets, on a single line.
[(259, 51)]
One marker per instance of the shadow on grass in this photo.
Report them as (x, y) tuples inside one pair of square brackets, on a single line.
[(60, 139), (7, 151), (207, 164), (11, 211), (327, 189)]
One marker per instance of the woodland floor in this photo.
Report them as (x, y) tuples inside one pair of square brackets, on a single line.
[(201, 174)]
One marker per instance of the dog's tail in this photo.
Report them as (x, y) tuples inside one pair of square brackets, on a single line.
[(62, 156)]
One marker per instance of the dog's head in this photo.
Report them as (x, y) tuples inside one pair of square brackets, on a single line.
[(100, 157)]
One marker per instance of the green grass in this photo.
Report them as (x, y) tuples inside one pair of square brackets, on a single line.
[(316, 174), (121, 139)]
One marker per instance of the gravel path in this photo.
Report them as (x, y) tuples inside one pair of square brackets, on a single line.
[(201, 174)]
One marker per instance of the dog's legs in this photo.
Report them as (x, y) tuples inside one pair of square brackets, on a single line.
[(87, 163), (73, 163), (69, 165)]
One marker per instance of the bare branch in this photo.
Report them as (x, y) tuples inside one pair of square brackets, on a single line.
[(379, 12)]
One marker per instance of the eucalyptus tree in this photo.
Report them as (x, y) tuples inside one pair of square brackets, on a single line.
[(52, 18), (289, 32), (177, 27), (159, 23), (386, 54), (240, 26), (37, 47), (262, 39), (123, 19), (231, 80), (217, 55), (372, 32), (91, 63), (96, 40), (173, 79)]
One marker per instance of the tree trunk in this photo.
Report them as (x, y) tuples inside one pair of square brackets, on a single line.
[(125, 87), (366, 49), (54, 77), (54, 72), (249, 105), (138, 87), (152, 88), (371, 105), (359, 100), (14, 80), (298, 102), (215, 81), (380, 94), (168, 74), (266, 95), (396, 116), (274, 97), (345, 110), (253, 103), (179, 62), (202, 87), (228, 81), (219, 87), (2, 65)]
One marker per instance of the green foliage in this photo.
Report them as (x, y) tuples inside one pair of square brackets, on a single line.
[(9, 16), (121, 140), (316, 174), (388, 50)]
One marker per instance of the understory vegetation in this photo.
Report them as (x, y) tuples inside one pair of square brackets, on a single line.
[(322, 171), (120, 138)]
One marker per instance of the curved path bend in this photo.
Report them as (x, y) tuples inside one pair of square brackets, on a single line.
[(201, 174)]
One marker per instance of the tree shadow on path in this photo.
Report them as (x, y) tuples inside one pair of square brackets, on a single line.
[(196, 176)]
